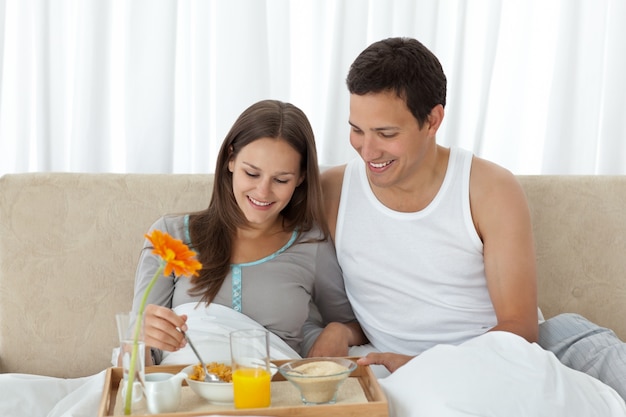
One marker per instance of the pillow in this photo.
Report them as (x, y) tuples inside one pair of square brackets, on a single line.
[(209, 328)]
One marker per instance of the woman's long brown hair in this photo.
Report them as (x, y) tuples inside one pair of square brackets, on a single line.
[(212, 230)]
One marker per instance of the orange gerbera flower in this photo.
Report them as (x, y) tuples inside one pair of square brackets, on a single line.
[(177, 256)]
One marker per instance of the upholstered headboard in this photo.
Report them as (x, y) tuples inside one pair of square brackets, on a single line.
[(69, 245), (579, 224)]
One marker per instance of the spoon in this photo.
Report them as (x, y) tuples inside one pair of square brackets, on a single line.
[(208, 376)]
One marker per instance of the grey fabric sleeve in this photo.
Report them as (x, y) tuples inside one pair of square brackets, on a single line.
[(329, 290), (163, 289), (331, 302), (147, 265)]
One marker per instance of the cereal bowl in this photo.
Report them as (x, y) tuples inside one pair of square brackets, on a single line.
[(317, 379), (214, 392)]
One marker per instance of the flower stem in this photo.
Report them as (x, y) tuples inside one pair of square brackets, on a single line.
[(133, 356)]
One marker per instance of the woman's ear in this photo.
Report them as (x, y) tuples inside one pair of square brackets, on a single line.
[(231, 159), (301, 179)]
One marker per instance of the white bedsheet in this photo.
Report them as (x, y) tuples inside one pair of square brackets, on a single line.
[(33, 396), (497, 374), (24, 395)]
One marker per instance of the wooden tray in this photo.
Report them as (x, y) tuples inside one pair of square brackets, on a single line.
[(375, 405)]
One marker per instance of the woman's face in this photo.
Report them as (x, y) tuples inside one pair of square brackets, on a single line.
[(266, 173)]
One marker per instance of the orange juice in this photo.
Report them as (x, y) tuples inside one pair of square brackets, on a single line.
[(251, 388)]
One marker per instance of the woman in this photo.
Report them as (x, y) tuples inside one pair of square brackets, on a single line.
[(263, 242)]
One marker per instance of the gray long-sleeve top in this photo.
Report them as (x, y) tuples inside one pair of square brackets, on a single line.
[(300, 281)]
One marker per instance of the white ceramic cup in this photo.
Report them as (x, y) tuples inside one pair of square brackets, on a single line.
[(163, 391)]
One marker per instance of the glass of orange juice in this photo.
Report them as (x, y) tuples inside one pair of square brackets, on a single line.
[(250, 354)]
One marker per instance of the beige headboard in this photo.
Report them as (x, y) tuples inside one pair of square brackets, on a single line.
[(579, 224), (69, 245)]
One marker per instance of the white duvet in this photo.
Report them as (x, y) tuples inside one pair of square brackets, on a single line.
[(24, 395), (497, 374)]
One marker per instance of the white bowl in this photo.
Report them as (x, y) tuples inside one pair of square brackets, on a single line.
[(318, 385), (214, 392)]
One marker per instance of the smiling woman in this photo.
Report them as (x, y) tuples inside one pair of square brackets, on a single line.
[(265, 175), (263, 242), (151, 86)]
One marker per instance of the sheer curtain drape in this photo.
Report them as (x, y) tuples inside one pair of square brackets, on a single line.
[(153, 85)]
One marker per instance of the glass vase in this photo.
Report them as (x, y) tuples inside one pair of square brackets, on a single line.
[(132, 345)]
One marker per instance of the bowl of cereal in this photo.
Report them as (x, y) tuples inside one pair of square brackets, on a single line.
[(220, 392), (317, 379)]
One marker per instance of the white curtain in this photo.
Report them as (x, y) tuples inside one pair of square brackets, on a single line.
[(537, 86)]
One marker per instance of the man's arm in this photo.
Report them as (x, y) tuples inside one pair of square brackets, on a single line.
[(332, 180), (502, 220), (336, 339)]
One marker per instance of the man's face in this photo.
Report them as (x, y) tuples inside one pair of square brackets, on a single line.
[(387, 137)]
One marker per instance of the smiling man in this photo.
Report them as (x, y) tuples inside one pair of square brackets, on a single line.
[(435, 243)]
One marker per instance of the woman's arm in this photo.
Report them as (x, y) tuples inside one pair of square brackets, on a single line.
[(340, 327), (161, 324)]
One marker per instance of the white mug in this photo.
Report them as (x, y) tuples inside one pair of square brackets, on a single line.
[(163, 391)]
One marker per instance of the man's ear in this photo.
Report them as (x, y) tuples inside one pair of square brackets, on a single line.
[(435, 118)]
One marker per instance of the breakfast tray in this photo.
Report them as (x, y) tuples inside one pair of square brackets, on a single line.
[(370, 400)]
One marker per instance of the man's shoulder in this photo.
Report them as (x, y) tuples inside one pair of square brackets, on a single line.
[(332, 171), (332, 179), (492, 185), (486, 173)]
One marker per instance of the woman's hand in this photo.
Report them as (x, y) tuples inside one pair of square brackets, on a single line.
[(161, 328), (391, 361)]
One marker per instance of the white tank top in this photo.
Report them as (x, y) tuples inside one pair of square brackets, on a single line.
[(414, 279)]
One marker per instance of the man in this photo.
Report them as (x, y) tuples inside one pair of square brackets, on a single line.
[(435, 244)]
